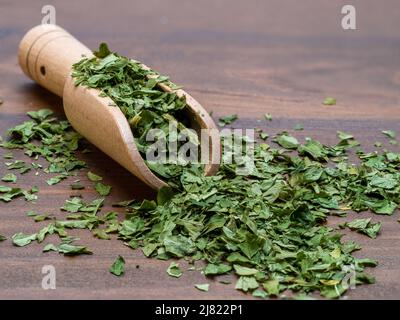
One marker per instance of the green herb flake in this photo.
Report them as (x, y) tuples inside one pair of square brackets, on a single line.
[(73, 205), (287, 141), (103, 51), (364, 226), (223, 121), (9, 177), (42, 217), (56, 179), (329, 101), (19, 165), (174, 270), (21, 239), (101, 234), (344, 135), (102, 189), (264, 136), (268, 116), (93, 177), (389, 133), (40, 115), (260, 294), (77, 186), (244, 271), (298, 127), (8, 193), (216, 269), (202, 287), (246, 283), (118, 267), (272, 287), (72, 250)]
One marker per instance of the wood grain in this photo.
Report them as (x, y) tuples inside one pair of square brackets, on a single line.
[(282, 57)]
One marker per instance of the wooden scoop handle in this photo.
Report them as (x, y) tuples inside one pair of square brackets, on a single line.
[(46, 55)]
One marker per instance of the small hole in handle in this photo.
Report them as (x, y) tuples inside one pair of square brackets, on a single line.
[(43, 70)]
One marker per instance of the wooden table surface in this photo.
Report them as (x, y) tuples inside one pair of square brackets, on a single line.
[(244, 57)]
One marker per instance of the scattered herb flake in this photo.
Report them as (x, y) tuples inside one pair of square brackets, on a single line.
[(56, 179), (93, 177), (260, 294), (329, 101), (268, 116), (287, 141), (77, 186), (70, 249), (174, 270), (216, 269), (9, 177), (264, 136), (42, 217), (298, 127), (272, 287), (223, 121), (102, 189), (344, 135), (21, 239), (118, 267), (364, 226), (246, 283), (202, 287), (389, 133)]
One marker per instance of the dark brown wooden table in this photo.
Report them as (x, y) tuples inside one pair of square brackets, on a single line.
[(244, 57)]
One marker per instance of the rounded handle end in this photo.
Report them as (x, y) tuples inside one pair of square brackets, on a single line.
[(46, 54)]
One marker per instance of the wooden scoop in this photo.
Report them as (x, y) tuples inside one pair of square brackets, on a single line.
[(46, 55)]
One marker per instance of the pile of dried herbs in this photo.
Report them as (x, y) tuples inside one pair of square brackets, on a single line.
[(135, 91), (266, 226)]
